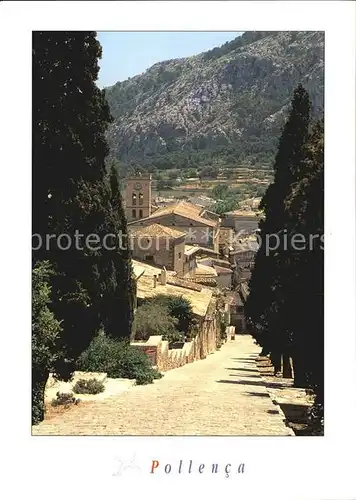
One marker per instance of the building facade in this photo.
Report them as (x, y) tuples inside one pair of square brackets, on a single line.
[(160, 246), (241, 221), (201, 227), (138, 197)]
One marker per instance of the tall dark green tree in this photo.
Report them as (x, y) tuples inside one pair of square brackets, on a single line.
[(285, 307), (74, 198), (305, 299), (264, 308)]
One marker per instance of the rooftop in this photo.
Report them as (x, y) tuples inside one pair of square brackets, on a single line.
[(241, 213), (204, 280), (156, 230), (203, 270), (190, 249), (208, 261), (184, 209), (198, 295), (222, 270), (148, 269)]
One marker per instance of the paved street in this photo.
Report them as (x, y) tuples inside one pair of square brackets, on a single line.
[(221, 395)]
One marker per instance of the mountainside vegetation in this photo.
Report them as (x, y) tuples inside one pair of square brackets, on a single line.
[(223, 107)]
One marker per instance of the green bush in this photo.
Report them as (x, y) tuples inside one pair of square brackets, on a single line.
[(46, 330), (118, 359), (64, 399), (91, 386), (179, 308), (153, 318)]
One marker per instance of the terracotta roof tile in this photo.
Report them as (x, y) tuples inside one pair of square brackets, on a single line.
[(155, 230), (184, 209)]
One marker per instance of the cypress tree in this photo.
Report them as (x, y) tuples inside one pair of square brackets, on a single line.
[(305, 304), (73, 196), (265, 309)]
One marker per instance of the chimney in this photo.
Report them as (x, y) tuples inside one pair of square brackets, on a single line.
[(154, 281), (164, 276)]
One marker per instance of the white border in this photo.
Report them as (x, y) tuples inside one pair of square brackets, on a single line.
[(285, 468)]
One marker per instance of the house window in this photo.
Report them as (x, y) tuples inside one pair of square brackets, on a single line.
[(140, 214), (140, 199), (180, 255), (134, 213), (134, 198)]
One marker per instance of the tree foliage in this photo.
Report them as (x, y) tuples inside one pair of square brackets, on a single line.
[(75, 196), (285, 305), (46, 330), (179, 308), (152, 318)]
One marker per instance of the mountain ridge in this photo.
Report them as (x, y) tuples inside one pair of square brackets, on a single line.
[(219, 106)]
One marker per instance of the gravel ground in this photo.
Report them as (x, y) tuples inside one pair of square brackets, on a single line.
[(223, 394)]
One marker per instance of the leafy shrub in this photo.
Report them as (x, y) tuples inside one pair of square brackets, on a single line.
[(91, 386), (179, 308), (46, 330), (118, 359), (153, 318), (64, 399)]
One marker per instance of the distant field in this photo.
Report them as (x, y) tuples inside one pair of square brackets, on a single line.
[(179, 193)]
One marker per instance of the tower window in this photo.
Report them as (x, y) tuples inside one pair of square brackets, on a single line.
[(140, 214), (140, 199), (134, 198), (134, 213)]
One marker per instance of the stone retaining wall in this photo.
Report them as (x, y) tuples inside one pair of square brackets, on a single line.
[(166, 359)]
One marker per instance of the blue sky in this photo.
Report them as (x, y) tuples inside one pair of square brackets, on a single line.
[(126, 54)]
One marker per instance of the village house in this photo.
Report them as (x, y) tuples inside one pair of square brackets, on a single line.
[(243, 257), (226, 241), (201, 226), (159, 245), (223, 269), (242, 221)]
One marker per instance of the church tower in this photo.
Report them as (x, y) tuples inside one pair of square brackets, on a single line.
[(138, 196)]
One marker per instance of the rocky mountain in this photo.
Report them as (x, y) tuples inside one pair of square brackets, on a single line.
[(223, 105)]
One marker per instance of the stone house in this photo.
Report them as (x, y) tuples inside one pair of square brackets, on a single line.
[(159, 245), (243, 257), (224, 271), (242, 221), (200, 226)]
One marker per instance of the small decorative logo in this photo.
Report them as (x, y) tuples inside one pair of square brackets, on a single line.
[(123, 465)]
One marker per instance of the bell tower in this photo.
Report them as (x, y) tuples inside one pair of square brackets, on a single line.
[(138, 196)]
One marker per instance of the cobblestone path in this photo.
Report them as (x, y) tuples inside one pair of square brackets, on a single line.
[(223, 394)]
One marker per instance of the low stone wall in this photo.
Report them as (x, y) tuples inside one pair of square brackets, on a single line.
[(166, 359)]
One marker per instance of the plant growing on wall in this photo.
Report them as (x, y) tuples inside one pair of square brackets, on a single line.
[(153, 318), (179, 308)]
